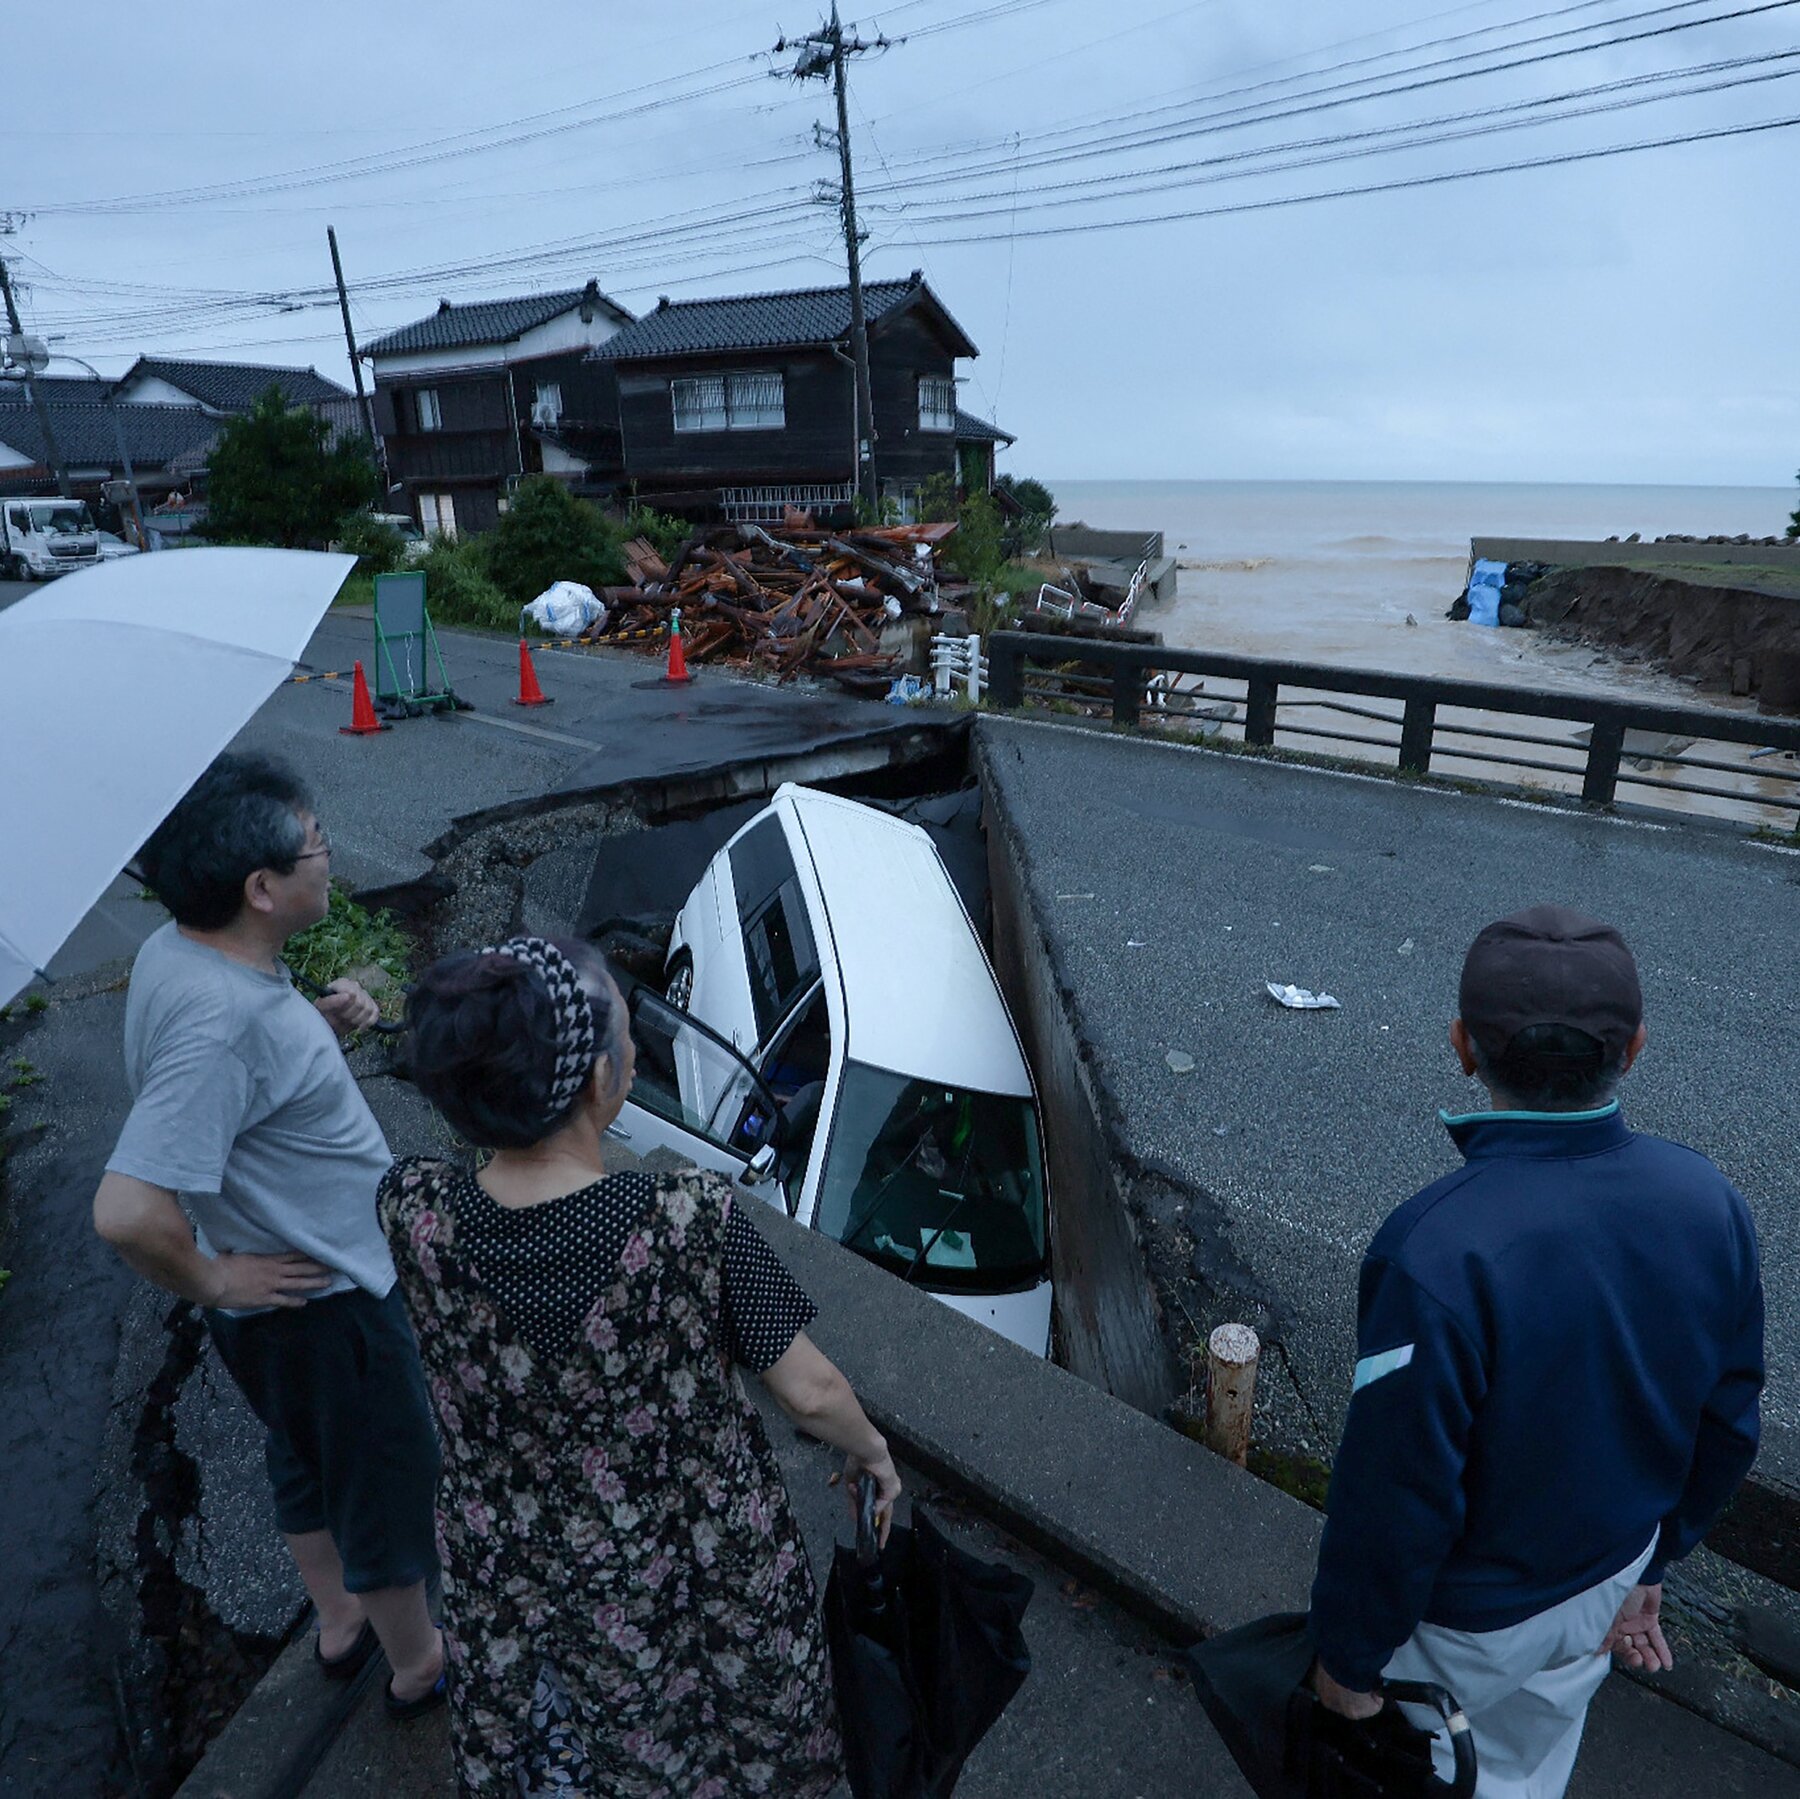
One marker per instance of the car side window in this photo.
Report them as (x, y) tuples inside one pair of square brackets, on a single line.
[(15, 516), (778, 944)]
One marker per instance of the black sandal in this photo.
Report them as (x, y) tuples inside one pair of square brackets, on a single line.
[(341, 1667), (428, 1701)]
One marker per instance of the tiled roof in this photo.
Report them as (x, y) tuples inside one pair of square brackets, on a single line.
[(817, 315), (156, 436), (970, 429), (56, 387), (237, 386), (485, 322)]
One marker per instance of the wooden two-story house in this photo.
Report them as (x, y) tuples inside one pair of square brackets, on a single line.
[(476, 395), (738, 407)]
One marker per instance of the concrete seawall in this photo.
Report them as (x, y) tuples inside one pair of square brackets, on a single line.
[(1585, 553)]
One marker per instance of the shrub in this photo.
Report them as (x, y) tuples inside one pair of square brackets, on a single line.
[(936, 499), (548, 535), (459, 590), (978, 550), (1793, 529), (664, 533), (349, 936), (379, 549), (1037, 508)]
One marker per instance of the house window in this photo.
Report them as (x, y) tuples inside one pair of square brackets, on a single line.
[(426, 401), (437, 515), (546, 403), (937, 403), (747, 402)]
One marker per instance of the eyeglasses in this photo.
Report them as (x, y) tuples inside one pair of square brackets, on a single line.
[(324, 848)]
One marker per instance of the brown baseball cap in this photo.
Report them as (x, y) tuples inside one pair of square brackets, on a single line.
[(1550, 965)]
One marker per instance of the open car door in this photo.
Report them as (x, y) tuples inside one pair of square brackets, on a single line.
[(698, 1101)]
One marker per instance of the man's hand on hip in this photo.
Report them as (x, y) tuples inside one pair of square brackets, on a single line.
[(1636, 1637), (347, 1008), (244, 1283), (1341, 1699)]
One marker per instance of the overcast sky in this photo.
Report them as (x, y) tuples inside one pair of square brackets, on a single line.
[(1625, 319)]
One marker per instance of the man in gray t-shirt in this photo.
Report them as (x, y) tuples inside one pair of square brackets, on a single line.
[(244, 1108), (243, 1102)]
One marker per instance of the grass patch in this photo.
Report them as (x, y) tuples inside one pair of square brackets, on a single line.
[(1299, 1476), (358, 590), (349, 937)]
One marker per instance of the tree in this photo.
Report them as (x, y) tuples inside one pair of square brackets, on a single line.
[(1037, 507), (548, 535), (1793, 529), (276, 477), (978, 550)]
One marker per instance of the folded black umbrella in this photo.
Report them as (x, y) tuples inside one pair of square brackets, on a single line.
[(1254, 1684), (926, 1653)]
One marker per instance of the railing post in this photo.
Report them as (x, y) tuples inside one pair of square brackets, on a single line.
[(1006, 671), (1417, 727), (1600, 783), (1128, 690), (1259, 710)]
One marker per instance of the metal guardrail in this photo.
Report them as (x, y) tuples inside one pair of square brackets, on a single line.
[(1140, 677)]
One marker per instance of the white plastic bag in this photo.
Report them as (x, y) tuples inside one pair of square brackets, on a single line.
[(566, 607)]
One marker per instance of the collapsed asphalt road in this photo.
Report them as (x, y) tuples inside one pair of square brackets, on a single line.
[(1173, 883), (106, 1406)]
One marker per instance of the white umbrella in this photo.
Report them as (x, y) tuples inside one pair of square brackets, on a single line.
[(118, 685)]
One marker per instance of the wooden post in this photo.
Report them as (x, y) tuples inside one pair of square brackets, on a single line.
[(1231, 1356), (1006, 671), (1259, 711), (1127, 690), (1416, 731), (1600, 784)]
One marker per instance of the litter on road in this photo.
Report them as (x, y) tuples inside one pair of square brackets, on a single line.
[(1300, 999)]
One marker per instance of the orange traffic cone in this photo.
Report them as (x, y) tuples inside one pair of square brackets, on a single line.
[(530, 694), (363, 722), (677, 675)]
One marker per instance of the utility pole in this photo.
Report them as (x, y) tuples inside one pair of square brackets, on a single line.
[(39, 404), (825, 52), (364, 405)]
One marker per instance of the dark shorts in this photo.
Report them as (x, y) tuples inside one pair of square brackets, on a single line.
[(352, 1448)]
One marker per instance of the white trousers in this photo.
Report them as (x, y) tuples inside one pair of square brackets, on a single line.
[(1525, 1689)]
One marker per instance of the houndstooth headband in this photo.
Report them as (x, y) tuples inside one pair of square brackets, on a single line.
[(577, 1040)]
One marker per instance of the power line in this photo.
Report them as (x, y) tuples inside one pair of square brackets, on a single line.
[(1330, 97), (1211, 92), (1409, 135), (434, 150), (1553, 160)]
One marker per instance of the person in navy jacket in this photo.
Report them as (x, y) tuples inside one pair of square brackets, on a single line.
[(1560, 1356)]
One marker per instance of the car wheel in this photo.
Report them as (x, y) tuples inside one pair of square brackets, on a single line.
[(678, 990)]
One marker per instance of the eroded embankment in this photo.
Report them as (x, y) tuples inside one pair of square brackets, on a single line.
[(1727, 638)]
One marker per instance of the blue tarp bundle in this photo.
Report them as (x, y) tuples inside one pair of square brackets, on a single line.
[(1484, 592)]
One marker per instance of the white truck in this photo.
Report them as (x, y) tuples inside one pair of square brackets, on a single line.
[(41, 538)]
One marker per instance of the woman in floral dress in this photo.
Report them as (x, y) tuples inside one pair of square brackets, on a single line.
[(628, 1607)]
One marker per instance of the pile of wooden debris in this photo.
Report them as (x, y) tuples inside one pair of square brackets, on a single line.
[(798, 599)]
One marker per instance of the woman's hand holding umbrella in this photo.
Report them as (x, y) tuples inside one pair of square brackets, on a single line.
[(884, 1477)]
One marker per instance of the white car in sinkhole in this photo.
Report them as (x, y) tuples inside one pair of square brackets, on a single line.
[(832, 1037)]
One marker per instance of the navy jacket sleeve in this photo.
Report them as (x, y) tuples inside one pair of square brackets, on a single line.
[(1725, 1446), (1396, 1491)]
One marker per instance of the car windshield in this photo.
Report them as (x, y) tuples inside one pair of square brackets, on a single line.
[(938, 1183), (66, 520)]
